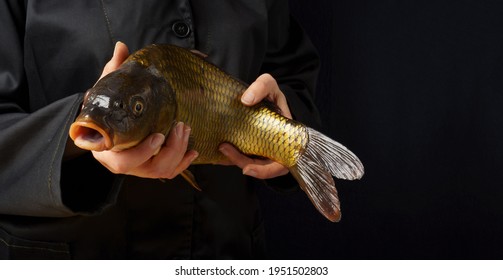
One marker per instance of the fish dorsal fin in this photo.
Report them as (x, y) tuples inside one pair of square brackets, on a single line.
[(200, 54)]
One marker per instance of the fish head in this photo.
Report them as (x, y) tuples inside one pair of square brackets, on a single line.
[(123, 108)]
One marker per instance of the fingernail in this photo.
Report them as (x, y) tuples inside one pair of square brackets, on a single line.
[(223, 150), (115, 48), (157, 140), (194, 156), (248, 98), (179, 130), (250, 172), (186, 133)]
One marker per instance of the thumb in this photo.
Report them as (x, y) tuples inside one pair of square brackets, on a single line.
[(121, 52)]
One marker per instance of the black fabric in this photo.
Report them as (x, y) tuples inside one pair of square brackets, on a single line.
[(415, 89), (12, 247), (51, 52)]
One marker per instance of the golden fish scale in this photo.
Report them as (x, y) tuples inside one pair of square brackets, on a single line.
[(207, 96)]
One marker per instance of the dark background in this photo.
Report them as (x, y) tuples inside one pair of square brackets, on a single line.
[(415, 89)]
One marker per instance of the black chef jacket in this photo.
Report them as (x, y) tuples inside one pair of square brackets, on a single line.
[(51, 51)]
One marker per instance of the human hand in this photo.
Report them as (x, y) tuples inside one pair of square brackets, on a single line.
[(265, 87), (153, 157)]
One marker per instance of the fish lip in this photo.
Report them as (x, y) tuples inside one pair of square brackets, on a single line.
[(79, 133)]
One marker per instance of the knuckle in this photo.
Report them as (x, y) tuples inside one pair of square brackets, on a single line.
[(267, 76), (268, 80)]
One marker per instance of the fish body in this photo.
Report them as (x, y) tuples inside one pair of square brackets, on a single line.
[(160, 85)]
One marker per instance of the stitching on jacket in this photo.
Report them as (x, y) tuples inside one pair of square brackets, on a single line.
[(36, 248), (107, 20)]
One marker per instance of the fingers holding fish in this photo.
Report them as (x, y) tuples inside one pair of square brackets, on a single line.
[(173, 157), (127, 161), (258, 168), (153, 157), (265, 87)]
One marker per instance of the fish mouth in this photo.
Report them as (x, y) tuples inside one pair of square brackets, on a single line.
[(89, 136)]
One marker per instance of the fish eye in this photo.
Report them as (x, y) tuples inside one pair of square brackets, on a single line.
[(138, 107)]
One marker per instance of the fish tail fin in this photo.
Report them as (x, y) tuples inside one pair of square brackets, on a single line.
[(322, 159)]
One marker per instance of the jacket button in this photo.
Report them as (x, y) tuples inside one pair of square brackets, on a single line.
[(181, 29)]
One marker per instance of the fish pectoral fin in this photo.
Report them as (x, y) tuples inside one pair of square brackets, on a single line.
[(187, 175), (198, 53)]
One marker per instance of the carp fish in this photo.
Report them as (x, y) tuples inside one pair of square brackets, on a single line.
[(160, 85)]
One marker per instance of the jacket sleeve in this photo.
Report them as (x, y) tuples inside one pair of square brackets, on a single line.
[(32, 144), (293, 61)]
